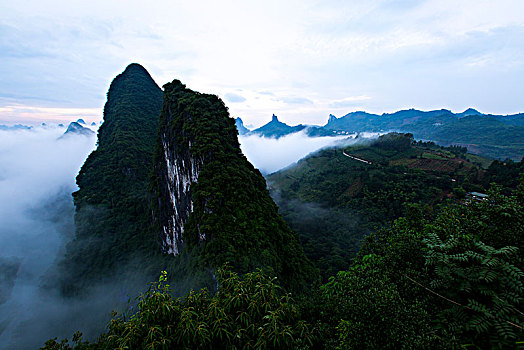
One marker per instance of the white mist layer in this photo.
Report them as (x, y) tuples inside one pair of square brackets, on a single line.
[(35, 166), (270, 154), (37, 176)]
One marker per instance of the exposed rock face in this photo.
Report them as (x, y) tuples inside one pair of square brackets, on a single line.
[(181, 170), (209, 199), (179, 161)]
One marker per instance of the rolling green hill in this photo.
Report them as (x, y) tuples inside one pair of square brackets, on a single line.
[(335, 197)]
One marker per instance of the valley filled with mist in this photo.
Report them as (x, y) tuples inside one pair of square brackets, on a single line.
[(37, 179), (38, 172)]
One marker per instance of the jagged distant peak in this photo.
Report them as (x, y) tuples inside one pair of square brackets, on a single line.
[(80, 121), (242, 130), (76, 128), (470, 111), (274, 118), (331, 118)]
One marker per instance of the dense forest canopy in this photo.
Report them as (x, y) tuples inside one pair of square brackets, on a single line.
[(448, 280), (112, 217)]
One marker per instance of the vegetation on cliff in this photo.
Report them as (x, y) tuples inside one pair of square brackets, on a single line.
[(112, 204), (233, 218)]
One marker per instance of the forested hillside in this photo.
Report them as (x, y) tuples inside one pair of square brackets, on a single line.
[(337, 196), (448, 280), (493, 136), (112, 215)]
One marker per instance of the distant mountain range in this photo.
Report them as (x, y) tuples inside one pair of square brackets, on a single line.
[(495, 136), (15, 127)]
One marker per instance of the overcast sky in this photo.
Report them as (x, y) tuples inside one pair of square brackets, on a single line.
[(301, 60)]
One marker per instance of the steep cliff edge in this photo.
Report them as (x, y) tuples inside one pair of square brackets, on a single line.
[(112, 204), (210, 199), (173, 193)]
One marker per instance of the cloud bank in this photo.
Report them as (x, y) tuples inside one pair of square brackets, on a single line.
[(37, 176), (270, 154)]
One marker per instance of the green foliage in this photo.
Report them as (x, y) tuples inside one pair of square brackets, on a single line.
[(112, 213), (394, 141), (333, 201), (371, 312), (247, 312), (464, 268), (485, 288), (231, 206), (505, 173)]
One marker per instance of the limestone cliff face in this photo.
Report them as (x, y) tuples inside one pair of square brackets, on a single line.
[(183, 149), (209, 199), (179, 170)]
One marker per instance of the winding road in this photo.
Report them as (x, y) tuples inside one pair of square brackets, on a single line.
[(355, 158)]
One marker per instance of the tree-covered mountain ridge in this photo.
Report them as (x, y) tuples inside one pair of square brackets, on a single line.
[(489, 135), (111, 205), (210, 199), (169, 189)]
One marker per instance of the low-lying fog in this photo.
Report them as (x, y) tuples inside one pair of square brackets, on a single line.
[(270, 154), (37, 177)]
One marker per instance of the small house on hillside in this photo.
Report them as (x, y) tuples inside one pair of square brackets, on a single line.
[(476, 196)]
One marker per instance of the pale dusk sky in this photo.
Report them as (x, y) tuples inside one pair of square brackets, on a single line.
[(301, 60)]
